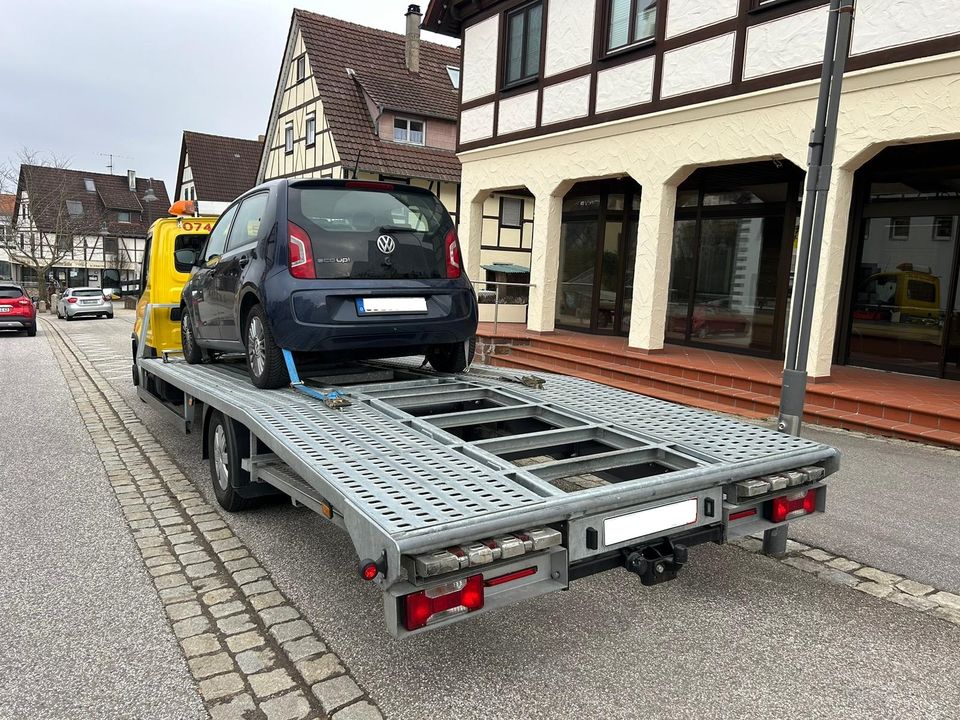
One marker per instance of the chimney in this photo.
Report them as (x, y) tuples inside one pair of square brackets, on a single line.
[(132, 180), (413, 38), (261, 138)]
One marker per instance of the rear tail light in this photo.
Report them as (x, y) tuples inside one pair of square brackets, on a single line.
[(452, 253), (791, 506), (24, 301), (299, 253), (71, 300), (441, 602)]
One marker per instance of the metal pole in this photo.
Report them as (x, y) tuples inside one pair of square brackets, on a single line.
[(819, 172)]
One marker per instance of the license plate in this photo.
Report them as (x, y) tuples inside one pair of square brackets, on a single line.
[(89, 302), (647, 522), (5, 308), (388, 305)]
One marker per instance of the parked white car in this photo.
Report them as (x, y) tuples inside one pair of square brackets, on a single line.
[(85, 301)]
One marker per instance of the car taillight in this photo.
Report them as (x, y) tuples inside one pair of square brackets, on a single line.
[(790, 506), (24, 301), (71, 300), (443, 601), (300, 254), (452, 252)]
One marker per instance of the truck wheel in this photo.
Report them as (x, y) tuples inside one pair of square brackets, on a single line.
[(188, 340), (224, 440), (264, 358), (452, 358)]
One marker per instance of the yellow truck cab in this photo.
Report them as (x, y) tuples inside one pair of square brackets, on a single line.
[(172, 245)]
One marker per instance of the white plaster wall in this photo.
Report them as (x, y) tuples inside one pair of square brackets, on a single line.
[(699, 66), (886, 23), (566, 100), (791, 42), (686, 15), (476, 123), (625, 85), (907, 102), (569, 35), (517, 113), (479, 74)]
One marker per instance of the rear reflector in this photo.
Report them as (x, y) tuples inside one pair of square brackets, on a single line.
[(790, 506), (510, 577), (436, 604), (299, 253), (367, 185), (742, 514)]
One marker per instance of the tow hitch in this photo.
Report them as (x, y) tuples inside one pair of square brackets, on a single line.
[(656, 564)]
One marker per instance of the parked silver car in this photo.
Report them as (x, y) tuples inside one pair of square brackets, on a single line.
[(89, 301)]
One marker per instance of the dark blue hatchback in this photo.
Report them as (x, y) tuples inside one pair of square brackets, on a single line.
[(341, 270)]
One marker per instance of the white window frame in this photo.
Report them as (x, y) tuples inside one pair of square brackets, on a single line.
[(311, 129), (288, 138), (120, 215), (301, 71), (503, 212), (408, 141)]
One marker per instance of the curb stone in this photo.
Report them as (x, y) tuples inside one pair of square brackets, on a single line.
[(207, 581)]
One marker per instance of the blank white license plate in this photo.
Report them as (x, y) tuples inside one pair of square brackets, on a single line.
[(385, 305), (647, 522), (5, 308), (89, 302)]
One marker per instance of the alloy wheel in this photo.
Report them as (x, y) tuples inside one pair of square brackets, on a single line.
[(256, 347), (220, 457)]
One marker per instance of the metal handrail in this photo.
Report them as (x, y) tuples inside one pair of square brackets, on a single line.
[(496, 298)]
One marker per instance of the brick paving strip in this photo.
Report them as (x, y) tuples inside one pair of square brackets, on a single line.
[(887, 586), (252, 654)]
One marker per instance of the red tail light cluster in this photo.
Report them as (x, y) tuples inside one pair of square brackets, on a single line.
[(790, 506), (299, 253), (452, 253), (71, 300), (443, 601)]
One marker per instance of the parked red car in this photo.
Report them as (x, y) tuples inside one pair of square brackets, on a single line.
[(17, 311)]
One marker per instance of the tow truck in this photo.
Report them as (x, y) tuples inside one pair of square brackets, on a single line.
[(464, 494)]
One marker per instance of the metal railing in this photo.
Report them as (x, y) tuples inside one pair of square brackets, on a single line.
[(496, 297)]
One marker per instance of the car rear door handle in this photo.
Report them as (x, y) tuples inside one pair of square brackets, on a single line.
[(243, 260)]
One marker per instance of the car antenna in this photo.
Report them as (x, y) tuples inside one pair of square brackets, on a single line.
[(356, 164)]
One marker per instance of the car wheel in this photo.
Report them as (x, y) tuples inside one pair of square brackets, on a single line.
[(264, 358), (109, 316), (224, 440), (32, 331), (452, 358), (69, 317), (188, 340)]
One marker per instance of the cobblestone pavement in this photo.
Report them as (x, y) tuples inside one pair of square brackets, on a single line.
[(737, 634), (251, 652)]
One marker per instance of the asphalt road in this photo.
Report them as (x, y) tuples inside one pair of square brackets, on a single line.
[(82, 632), (737, 635)]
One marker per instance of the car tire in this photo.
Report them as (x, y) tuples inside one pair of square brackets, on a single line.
[(224, 440), (69, 317), (452, 358), (32, 331), (188, 340), (265, 361), (109, 316)]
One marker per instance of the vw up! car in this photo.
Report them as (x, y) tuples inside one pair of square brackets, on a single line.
[(337, 270)]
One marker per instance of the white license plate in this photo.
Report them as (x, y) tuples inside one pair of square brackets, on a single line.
[(385, 305), (89, 302), (5, 308), (647, 522)]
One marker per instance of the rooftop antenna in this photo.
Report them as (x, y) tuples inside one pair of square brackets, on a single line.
[(111, 156)]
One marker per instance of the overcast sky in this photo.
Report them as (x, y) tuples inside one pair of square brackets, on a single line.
[(81, 78)]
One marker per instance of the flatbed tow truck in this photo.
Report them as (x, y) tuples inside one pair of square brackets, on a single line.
[(467, 493)]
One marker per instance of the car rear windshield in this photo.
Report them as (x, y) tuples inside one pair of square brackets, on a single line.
[(88, 293), (371, 233), (9, 292)]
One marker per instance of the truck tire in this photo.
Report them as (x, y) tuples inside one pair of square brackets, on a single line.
[(264, 357), (224, 442), (452, 358), (188, 340)]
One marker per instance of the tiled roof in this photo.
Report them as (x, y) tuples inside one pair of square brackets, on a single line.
[(377, 59), (223, 167), (6, 204), (50, 188)]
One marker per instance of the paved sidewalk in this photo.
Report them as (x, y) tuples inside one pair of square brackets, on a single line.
[(83, 632)]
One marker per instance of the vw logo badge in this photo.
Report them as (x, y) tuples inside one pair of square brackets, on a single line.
[(386, 244)]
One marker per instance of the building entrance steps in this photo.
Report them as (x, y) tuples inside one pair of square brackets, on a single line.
[(869, 401)]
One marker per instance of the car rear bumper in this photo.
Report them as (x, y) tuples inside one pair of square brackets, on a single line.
[(325, 320), (76, 310), (17, 322)]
